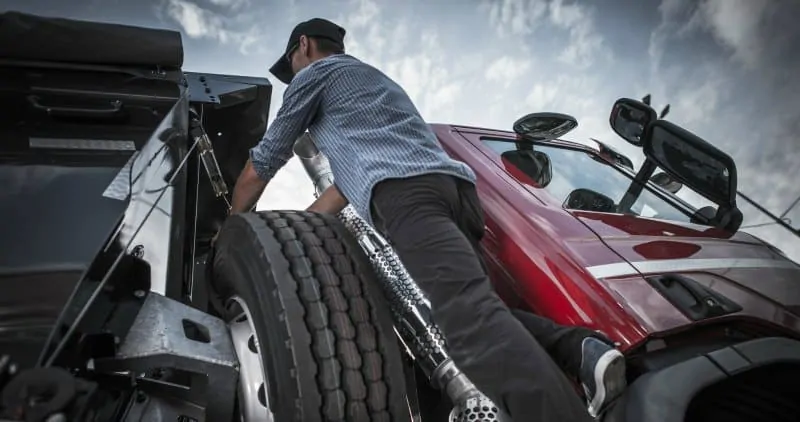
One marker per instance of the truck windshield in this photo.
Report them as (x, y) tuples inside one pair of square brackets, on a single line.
[(577, 169)]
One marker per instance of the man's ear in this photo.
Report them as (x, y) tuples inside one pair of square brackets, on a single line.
[(304, 45)]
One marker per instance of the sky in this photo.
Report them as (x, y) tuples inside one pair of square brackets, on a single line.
[(727, 67)]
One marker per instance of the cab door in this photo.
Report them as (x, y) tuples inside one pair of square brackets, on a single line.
[(506, 204)]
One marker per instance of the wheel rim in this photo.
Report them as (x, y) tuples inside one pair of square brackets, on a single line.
[(254, 403)]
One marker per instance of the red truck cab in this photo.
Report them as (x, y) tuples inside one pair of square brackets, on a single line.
[(662, 280)]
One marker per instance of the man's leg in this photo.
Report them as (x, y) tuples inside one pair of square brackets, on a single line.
[(580, 352), (484, 339), (561, 342)]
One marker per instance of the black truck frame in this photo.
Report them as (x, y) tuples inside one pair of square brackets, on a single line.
[(106, 112)]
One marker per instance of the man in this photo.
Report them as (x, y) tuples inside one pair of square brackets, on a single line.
[(389, 165)]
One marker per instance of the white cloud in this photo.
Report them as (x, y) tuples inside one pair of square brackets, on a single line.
[(698, 102), (585, 42), (364, 15), (196, 21), (507, 69), (532, 73), (199, 22), (524, 17), (736, 24), (514, 17), (232, 4)]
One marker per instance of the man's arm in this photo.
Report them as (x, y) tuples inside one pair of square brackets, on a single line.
[(331, 201), (249, 187), (300, 103)]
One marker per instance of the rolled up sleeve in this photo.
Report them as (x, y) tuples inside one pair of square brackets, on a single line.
[(300, 104)]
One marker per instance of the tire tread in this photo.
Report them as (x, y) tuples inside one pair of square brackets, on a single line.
[(334, 310)]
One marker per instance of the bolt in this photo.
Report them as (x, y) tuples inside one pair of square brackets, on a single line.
[(138, 251), (138, 293)]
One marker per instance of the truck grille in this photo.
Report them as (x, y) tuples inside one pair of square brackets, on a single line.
[(759, 395)]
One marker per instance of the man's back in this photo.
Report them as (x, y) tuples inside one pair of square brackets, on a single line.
[(368, 128)]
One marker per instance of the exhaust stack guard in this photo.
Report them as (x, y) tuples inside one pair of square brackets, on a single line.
[(411, 310)]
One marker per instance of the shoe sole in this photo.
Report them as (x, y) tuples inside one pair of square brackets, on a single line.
[(610, 381)]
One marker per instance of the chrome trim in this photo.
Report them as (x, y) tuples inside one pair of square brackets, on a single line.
[(621, 269)]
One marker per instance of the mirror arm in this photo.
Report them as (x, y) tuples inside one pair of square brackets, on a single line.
[(635, 189)]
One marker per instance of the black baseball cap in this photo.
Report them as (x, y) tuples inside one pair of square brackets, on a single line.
[(317, 27)]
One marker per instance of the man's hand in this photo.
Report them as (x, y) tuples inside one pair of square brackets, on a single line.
[(330, 202), (248, 189)]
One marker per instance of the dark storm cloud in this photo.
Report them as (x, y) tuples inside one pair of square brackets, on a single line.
[(730, 69), (139, 12)]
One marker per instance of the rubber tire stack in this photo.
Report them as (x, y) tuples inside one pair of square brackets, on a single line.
[(325, 333)]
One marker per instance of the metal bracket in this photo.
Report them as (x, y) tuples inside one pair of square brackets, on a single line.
[(205, 151), (170, 334)]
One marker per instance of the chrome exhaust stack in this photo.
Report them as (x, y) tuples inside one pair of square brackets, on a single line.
[(411, 310)]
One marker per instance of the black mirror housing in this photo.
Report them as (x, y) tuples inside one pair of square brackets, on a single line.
[(589, 200), (544, 126), (690, 160), (629, 119)]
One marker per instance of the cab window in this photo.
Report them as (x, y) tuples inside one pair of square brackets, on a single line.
[(561, 171)]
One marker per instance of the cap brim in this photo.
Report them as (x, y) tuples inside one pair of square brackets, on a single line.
[(282, 70)]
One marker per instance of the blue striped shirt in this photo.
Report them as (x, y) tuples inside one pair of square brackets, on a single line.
[(362, 121)]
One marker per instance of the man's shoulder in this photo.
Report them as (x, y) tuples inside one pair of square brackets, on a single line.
[(334, 61), (341, 58), (318, 69)]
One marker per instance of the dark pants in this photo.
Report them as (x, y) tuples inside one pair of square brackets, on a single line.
[(435, 223)]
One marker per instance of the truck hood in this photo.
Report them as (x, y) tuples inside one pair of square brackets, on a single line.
[(759, 281)]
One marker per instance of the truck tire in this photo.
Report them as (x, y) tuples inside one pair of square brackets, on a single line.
[(320, 319)]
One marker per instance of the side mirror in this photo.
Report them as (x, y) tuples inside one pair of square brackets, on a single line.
[(589, 200), (692, 161), (629, 119), (544, 126), (667, 182), (533, 164)]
